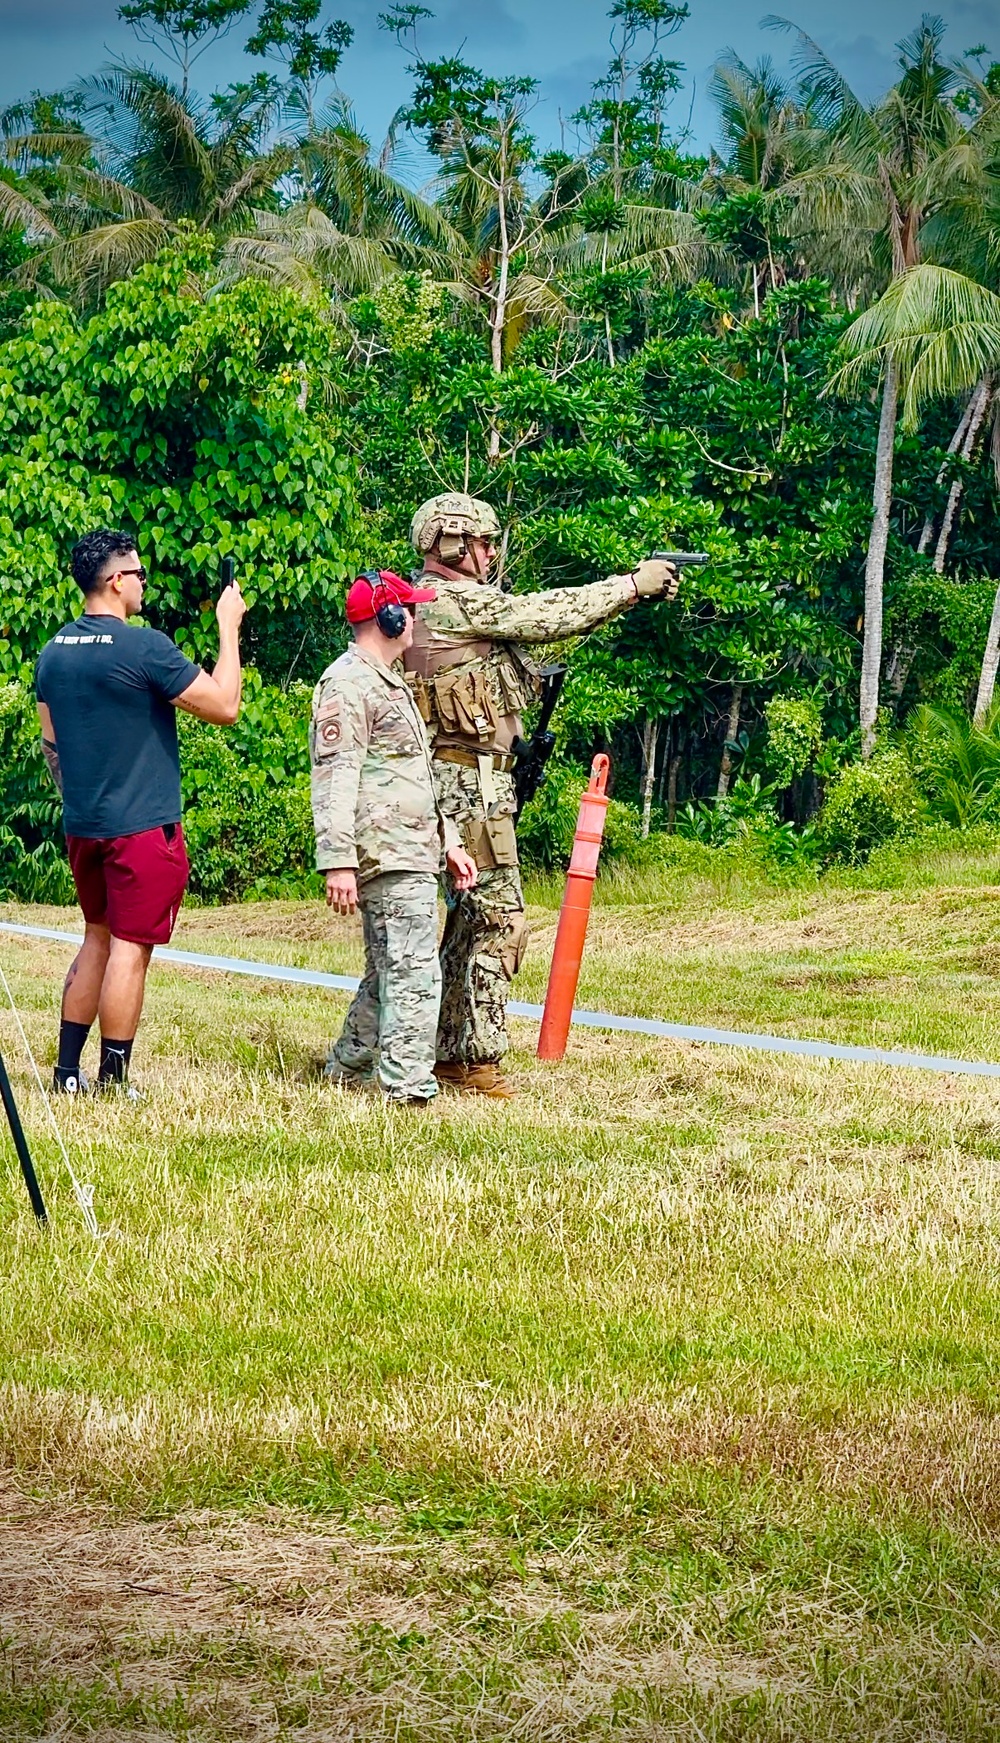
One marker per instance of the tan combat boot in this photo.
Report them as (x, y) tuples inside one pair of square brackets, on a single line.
[(451, 1073), (488, 1080)]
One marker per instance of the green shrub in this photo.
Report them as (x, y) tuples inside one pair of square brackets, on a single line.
[(869, 804), (794, 737), (956, 764), (545, 831), (247, 812), (32, 860)]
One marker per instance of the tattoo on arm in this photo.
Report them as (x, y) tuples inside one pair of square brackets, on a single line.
[(51, 754)]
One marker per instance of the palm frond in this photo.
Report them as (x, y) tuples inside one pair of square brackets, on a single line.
[(90, 262), (828, 92), (942, 329), (27, 215), (304, 249)]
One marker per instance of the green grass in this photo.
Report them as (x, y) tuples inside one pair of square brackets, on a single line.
[(658, 1404)]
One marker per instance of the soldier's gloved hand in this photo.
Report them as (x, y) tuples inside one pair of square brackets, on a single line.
[(463, 868), (655, 580), (342, 891)]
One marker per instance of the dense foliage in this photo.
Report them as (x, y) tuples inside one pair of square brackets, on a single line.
[(229, 325)]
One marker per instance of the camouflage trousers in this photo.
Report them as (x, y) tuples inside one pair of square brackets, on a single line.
[(394, 1015), (484, 941)]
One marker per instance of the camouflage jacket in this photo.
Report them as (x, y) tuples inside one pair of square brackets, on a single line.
[(474, 630), (373, 799)]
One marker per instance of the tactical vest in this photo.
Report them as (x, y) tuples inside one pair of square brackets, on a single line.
[(470, 692)]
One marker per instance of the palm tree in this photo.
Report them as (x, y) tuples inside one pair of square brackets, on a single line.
[(886, 190), (345, 220), (147, 160), (942, 330), (767, 138)]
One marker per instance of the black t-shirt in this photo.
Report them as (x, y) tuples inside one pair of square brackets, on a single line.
[(109, 687)]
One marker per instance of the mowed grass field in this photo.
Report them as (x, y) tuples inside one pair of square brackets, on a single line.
[(662, 1403)]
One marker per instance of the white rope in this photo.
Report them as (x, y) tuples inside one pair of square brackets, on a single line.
[(84, 1195)]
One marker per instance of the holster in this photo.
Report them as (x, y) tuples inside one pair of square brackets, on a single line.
[(490, 840)]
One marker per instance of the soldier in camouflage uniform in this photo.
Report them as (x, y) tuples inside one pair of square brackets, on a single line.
[(380, 838), (472, 676)]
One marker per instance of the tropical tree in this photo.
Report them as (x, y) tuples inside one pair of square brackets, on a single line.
[(347, 222), (183, 29), (890, 185), (766, 139), (144, 160), (285, 31), (943, 331)]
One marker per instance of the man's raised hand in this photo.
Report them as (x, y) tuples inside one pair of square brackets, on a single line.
[(231, 607)]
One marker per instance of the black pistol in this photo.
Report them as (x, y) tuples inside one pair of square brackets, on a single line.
[(227, 573), (682, 559)]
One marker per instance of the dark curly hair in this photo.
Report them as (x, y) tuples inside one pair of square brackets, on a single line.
[(90, 555)]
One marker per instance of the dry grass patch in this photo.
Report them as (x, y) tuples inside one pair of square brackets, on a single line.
[(660, 1403)]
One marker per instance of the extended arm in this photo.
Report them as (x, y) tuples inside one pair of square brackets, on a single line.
[(49, 749), (544, 617), (558, 612), (215, 696)]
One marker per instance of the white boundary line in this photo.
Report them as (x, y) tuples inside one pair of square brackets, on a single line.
[(584, 1019)]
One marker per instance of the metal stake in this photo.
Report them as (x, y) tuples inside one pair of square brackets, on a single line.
[(21, 1145)]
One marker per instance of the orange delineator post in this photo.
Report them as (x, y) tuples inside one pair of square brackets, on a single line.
[(575, 913)]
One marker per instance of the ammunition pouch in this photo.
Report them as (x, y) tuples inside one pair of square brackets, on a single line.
[(464, 704), (518, 683), (468, 702)]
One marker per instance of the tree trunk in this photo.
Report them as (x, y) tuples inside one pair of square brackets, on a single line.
[(871, 657), (898, 668), (650, 738), (732, 729), (607, 318), (991, 660), (498, 310), (675, 764), (979, 406), (957, 439)]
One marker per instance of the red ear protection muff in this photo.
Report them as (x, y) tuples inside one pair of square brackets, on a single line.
[(391, 618)]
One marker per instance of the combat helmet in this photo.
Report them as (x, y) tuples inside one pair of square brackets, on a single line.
[(452, 518)]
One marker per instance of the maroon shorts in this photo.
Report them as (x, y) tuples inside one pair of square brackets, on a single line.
[(133, 884)]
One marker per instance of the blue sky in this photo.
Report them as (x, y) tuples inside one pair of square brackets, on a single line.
[(562, 43)]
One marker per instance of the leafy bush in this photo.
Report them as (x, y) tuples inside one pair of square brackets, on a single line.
[(32, 861), (545, 831), (179, 415), (867, 805), (247, 812), (794, 737)]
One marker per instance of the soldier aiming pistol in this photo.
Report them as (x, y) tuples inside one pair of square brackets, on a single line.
[(472, 677)]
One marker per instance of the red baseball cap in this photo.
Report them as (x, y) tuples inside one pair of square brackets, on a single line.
[(367, 595)]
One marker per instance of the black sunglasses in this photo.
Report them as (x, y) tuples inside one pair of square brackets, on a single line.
[(142, 573)]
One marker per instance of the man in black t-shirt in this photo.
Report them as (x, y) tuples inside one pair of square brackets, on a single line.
[(107, 694)]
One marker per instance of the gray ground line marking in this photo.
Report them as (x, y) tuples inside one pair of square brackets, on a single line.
[(583, 1019)]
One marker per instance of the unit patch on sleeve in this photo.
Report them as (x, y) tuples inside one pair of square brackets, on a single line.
[(329, 727)]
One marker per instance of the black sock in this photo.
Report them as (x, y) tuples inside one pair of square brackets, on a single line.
[(115, 1056), (71, 1040)]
